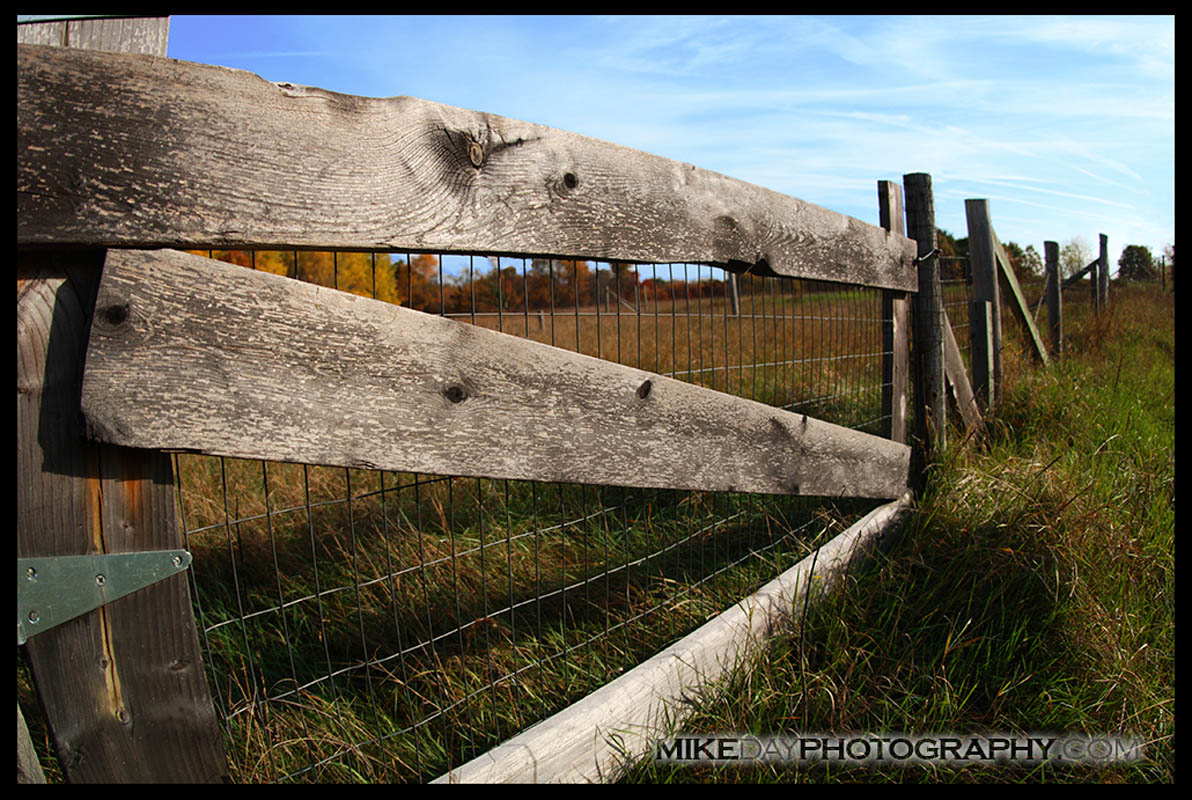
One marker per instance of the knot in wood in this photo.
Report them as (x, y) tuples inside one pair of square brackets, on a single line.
[(116, 314), (475, 154), (643, 391), (455, 393)]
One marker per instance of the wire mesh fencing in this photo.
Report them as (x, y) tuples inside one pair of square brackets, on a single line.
[(376, 626), (956, 282)]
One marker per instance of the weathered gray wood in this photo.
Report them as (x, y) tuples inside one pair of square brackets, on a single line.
[(1071, 279), (1055, 297), (962, 390), (930, 394), (1018, 302), (1065, 283), (895, 325), (123, 150), (123, 687), (28, 767), (981, 347), (42, 33), (895, 364), (593, 739), (192, 354), (983, 260), (148, 35), (1103, 270)]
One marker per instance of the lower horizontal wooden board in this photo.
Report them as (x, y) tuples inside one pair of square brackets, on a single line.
[(596, 739), (191, 354)]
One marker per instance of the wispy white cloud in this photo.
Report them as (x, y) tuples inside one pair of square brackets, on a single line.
[(285, 54)]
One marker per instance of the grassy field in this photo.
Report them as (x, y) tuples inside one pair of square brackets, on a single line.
[(1033, 591)]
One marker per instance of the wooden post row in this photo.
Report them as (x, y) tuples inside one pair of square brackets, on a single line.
[(122, 688)]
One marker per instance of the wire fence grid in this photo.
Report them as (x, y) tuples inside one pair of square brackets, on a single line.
[(956, 285), (376, 626)]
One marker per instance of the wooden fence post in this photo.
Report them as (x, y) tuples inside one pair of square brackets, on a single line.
[(930, 396), (984, 330), (122, 687), (1095, 285), (734, 295), (1103, 277), (1055, 314), (895, 334)]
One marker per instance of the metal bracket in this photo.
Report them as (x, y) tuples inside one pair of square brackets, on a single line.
[(56, 589)]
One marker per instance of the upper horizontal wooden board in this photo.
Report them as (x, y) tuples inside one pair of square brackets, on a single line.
[(119, 150), (192, 354)]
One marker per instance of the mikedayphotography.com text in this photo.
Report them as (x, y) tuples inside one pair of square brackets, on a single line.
[(879, 749)]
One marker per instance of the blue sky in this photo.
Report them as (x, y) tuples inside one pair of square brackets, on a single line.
[(1065, 124)]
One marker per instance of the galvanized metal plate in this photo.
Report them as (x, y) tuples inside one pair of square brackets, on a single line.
[(55, 589)]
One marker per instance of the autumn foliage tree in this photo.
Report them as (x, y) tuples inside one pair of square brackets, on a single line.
[(1136, 264)]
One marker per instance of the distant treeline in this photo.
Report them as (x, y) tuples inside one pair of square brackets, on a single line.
[(487, 285)]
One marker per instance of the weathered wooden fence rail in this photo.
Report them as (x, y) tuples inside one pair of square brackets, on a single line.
[(122, 156), (234, 161), (190, 354)]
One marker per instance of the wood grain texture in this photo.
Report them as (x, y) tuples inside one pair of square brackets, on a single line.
[(148, 35), (192, 354), (28, 767), (122, 687), (981, 348), (895, 325), (962, 390), (1055, 298), (930, 390), (1103, 272), (986, 288), (591, 740), (1018, 303), (175, 154), (1071, 279)]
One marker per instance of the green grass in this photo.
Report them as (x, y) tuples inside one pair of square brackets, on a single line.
[(1034, 590), (525, 616)]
